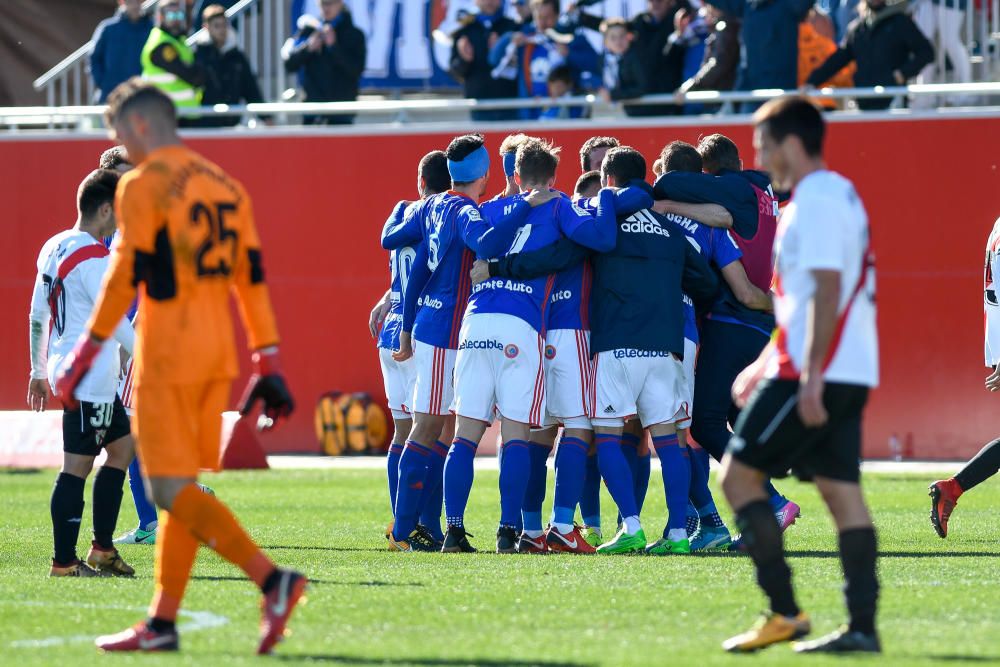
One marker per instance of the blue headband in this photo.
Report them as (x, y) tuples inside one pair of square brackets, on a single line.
[(475, 165), (508, 164)]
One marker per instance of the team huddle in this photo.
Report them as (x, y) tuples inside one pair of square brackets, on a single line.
[(542, 310)]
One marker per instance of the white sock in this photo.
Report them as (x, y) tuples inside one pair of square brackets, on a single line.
[(564, 528), (632, 525), (532, 533), (677, 534)]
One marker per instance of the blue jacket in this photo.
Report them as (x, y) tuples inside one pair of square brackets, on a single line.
[(769, 56), (118, 44)]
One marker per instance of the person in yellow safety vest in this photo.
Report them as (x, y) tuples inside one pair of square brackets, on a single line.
[(167, 61)]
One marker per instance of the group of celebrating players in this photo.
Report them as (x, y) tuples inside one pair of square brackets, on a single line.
[(587, 313)]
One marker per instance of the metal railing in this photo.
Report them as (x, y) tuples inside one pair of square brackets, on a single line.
[(405, 111), (261, 34)]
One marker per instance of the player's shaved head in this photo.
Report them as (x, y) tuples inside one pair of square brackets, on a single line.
[(623, 164), (136, 96), (536, 162), (97, 189), (593, 150), (115, 159), (719, 152), (433, 171), (680, 156)]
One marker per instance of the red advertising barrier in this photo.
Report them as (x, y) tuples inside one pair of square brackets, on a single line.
[(930, 187)]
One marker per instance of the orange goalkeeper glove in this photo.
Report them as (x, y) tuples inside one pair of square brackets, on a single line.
[(75, 368)]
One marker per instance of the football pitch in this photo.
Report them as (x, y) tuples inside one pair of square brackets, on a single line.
[(368, 606)]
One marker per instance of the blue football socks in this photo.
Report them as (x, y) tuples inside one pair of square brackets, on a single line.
[(615, 471), (515, 466), (675, 467), (430, 501), (413, 464), (571, 470), (392, 472), (145, 509), (458, 474), (534, 495), (590, 497)]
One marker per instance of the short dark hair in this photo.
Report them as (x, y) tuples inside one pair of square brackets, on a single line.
[(554, 4), (138, 95), (536, 161), (97, 189), (718, 152), (587, 181), (113, 158), (561, 73), (680, 156), (592, 144), (793, 115), (624, 164), (433, 168), (461, 147)]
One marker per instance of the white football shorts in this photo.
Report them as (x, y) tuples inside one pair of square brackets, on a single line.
[(398, 378), (434, 377), (568, 378), (499, 366), (690, 355), (648, 385)]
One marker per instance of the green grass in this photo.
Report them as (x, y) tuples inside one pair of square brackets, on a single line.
[(370, 606)]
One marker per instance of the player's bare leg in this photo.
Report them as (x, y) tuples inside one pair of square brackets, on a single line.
[(107, 500), (458, 475)]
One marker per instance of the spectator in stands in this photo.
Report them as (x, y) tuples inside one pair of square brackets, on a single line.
[(887, 47), (523, 9), (770, 36), (168, 62), (118, 43), (815, 46), (663, 74), (199, 7), (561, 84), (944, 18), (721, 57), (470, 57), (331, 57), (529, 56), (229, 78), (622, 76), (688, 38)]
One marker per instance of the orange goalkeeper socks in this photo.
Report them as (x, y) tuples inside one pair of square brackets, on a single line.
[(176, 549), (211, 522)]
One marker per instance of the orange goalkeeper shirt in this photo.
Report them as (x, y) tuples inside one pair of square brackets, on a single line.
[(187, 240)]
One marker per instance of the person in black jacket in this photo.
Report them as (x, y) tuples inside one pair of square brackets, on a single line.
[(330, 54), (722, 54), (887, 46), (664, 71), (622, 76), (229, 76), (470, 54)]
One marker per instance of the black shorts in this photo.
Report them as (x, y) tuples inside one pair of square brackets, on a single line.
[(770, 436), (91, 426)]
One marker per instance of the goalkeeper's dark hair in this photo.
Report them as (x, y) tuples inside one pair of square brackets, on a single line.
[(433, 168), (97, 189)]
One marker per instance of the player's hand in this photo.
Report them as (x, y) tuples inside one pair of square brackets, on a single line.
[(74, 368), (519, 39), (480, 271), (267, 385), (812, 412), (329, 36), (377, 316), (662, 206), (314, 43), (993, 381), (405, 350), (465, 50), (539, 197), (746, 382), (38, 394)]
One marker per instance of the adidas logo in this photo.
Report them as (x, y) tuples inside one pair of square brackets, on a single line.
[(609, 410)]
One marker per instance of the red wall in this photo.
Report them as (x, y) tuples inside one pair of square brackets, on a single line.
[(930, 187)]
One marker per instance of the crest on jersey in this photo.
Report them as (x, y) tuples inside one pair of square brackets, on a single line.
[(510, 350), (550, 352)]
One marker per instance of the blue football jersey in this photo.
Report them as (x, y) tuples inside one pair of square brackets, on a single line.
[(454, 232), (400, 236), (716, 246)]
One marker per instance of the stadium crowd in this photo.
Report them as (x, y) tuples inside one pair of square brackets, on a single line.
[(546, 49)]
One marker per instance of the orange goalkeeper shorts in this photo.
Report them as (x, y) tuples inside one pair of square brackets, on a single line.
[(178, 427)]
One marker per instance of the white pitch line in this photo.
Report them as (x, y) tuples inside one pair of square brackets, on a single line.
[(198, 620)]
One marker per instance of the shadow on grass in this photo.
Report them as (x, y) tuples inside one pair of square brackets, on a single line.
[(964, 658), (807, 553), (429, 662), (322, 548), (320, 582)]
